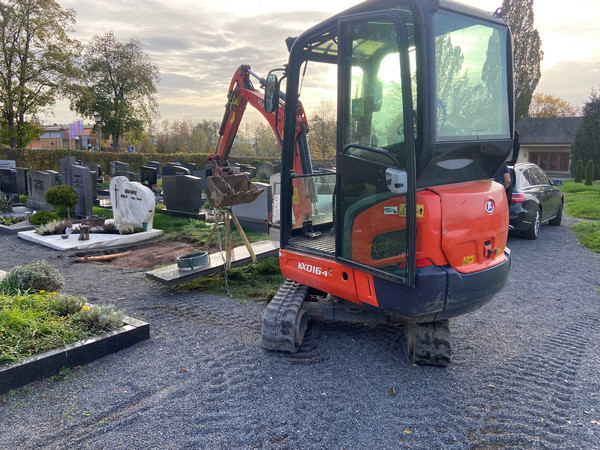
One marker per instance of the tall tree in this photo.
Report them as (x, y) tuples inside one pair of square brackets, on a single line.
[(547, 105), (36, 58), (587, 140), (323, 130), (527, 50), (119, 84)]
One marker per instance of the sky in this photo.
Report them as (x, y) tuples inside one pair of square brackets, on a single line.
[(198, 44)]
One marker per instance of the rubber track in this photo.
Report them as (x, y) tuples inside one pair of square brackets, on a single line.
[(280, 318)]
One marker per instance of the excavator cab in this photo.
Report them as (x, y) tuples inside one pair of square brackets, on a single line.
[(410, 225)]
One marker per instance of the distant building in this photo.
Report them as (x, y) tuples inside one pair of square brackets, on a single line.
[(75, 136), (547, 141)]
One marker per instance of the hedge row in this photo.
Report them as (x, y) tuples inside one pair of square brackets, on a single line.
[(50, 159)]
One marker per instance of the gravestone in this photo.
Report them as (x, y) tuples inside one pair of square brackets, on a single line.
[(39, 182), (22, 187), (154, 164), (189, 166), (8, 181), (7, 164), (65, 169), (255, 215), (182, 193), (264, 171), (200, 174), (131, 202), (148, 176), (174, 169), (131, 176), (117, 166), (94, 168), (82, 183)]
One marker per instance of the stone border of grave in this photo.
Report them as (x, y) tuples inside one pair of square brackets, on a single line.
[(51, 362)]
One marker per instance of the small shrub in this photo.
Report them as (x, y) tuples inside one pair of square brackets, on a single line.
[(109, 227), (100, 318), (589, 173), (38, 275), (6, 204), (42, 217), (67, 305), (63, 196), (126, 228), (48, 228), (579, 171)]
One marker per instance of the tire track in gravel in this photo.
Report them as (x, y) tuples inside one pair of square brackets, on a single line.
[(528, 402), (224, 380)]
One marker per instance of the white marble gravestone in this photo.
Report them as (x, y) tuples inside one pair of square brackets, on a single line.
[(132, 202)]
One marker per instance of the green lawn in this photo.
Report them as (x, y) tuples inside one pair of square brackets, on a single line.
[(583, 202)]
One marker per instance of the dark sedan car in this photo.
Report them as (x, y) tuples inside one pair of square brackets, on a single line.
[(535, 200)]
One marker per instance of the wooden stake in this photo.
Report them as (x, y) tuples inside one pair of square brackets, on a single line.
[(244, 237)]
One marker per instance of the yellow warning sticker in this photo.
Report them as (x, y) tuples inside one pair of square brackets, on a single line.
[(296, 197), (402, 210), (468, 260)]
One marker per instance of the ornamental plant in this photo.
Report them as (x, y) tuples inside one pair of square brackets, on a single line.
[(63, 196), (589, 173), (38, 275), (42, 217), (6, 204)]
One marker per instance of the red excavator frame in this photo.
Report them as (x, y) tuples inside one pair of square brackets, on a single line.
[(241, 93)]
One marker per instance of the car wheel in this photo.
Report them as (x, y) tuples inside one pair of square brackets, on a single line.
[(558, 219), (534, 230)]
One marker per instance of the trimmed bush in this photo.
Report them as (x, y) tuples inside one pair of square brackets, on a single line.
[(43, 217), (589, 173), (579, 171), (63, 196), (38, 275)]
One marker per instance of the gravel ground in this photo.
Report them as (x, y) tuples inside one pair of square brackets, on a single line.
[(525, 373)]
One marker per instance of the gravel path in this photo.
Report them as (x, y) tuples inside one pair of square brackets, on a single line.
[(525, 373)]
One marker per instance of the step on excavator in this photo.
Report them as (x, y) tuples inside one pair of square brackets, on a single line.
[(409, 228)]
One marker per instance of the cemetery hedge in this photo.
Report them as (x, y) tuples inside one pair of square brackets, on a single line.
[(36, 159)]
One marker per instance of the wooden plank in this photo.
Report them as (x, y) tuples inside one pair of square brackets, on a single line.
[(171, 275)]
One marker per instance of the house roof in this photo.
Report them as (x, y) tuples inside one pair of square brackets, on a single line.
[(548, 130)]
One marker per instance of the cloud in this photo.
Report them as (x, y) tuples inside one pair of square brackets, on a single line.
[(571, 80)]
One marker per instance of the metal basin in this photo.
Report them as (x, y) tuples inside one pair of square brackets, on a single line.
[(192, 261)]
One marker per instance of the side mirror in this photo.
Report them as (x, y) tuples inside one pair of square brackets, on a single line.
[(271, 93)]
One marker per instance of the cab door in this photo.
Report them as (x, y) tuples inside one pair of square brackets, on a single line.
[(376, 207)]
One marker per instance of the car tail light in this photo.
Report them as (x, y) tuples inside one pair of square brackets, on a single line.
[(518, 198)]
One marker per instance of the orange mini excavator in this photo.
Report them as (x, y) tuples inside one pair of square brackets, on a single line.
[(410, 226)]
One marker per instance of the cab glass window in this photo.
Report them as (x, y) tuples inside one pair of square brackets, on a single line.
[(471, 79)]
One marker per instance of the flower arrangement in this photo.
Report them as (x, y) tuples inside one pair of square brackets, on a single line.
[(6, 204)]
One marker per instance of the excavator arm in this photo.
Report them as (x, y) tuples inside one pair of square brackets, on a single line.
[(241, 94)]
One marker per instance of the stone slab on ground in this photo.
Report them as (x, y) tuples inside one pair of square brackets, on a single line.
[(21, 226), (96, 240), (171, 275), (49, 363)]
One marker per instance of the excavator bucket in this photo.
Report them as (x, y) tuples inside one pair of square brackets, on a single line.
[(229, 190)]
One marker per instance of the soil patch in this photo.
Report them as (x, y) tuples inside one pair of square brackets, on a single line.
[(159, 254)]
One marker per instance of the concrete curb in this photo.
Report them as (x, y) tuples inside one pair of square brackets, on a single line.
[(49, 363)]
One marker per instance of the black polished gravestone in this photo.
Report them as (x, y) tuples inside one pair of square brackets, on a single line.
[(174, 169), (189, 166), (154, 164), (148, 176), (182, 193), (8, 181)]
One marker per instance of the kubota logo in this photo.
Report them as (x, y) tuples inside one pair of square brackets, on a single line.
[(489, 206), (312, 269)]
